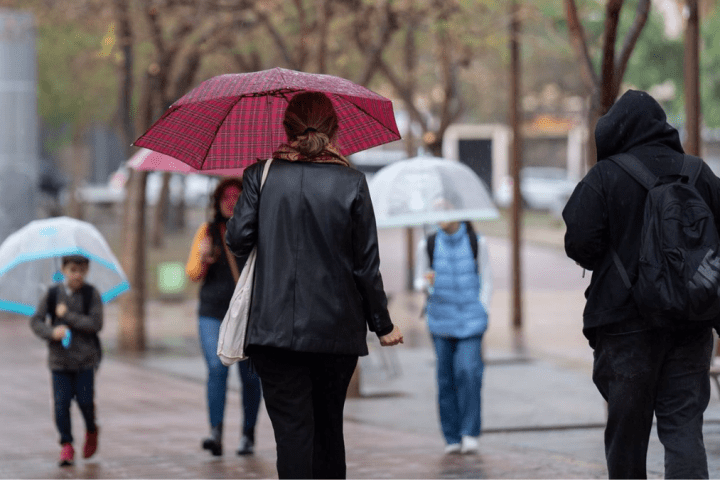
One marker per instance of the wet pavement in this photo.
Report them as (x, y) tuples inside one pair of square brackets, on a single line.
[(542, 417)]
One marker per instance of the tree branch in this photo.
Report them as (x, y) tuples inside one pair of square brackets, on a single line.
[(607, 69), (579, 43), (373, 53), (279, 40), (641, 16), (404, 93)]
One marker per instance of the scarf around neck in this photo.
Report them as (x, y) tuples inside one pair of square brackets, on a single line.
[(330, 154)]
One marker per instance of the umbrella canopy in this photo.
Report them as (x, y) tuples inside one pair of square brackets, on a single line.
[(145, 159), (231, 121), (426, 190), (30, 262)]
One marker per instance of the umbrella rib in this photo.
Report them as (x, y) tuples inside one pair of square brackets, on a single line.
[(349, 99), (280, 92)]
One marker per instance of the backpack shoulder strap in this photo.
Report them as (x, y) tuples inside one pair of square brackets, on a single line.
[(87, 293), (430, 246), (52, 297), (472, 236), (635, 168), (691, 168)]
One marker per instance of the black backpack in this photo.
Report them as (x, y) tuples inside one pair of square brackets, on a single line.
[(87, 293), (471, 236), (679, 268)]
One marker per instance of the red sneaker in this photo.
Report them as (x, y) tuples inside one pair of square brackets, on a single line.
[(67, 455), (91, 444)]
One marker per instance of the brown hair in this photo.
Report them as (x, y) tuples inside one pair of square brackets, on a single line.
[(311, 120)]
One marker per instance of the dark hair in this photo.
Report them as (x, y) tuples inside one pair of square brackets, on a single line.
[(311, 120), (217, 194), (76, 259), (217, 216)]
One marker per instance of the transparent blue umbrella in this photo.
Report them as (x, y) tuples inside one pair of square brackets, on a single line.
[(30, 262)]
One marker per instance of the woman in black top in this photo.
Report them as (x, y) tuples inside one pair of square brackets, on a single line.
[(210, 263)]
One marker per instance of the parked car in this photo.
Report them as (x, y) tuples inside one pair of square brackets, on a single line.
[(541, 188), (197, 188)]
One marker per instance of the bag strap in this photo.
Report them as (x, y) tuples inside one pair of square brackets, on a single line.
[(691, 168), (228, 254), (635, 168), (231, 261), (638, 171), (431, 247), (472, 236), (52, 298)]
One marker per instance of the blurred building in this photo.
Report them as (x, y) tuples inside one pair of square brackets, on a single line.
[(19, 166)]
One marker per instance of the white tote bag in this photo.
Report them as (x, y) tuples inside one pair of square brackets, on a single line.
[(233, 330)]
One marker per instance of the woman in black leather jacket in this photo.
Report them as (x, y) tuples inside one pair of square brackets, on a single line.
[(317, 286)]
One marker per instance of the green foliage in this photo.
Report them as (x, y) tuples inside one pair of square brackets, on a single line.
[(75, 85), (658, 60), (710, 70)]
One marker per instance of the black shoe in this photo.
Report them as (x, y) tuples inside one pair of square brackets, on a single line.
[(214, 442), (247, 446)]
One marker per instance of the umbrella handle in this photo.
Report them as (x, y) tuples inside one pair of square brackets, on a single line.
[(66, 339)]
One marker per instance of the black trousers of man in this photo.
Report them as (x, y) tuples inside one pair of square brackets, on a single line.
[(305, 397), (641, 371)]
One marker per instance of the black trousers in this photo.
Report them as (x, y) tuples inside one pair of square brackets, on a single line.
[(643, 371), (305, 397)]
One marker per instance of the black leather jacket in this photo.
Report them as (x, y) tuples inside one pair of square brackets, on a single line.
[(317, 281)]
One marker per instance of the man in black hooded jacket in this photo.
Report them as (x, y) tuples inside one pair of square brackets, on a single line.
[(641, 366)]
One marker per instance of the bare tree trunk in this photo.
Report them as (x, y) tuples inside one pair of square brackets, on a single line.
[(126, 76), (515, 162), (692, 80), (593, 115), (131, 334), (78, 162), (161, 212), (132, 304), (181, 208)]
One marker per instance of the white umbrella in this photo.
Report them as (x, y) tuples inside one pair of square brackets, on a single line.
[(30, 262), (426, 190)]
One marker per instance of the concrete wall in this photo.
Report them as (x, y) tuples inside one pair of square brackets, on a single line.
[(18, 122)]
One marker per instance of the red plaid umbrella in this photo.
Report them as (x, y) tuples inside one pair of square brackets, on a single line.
[(231, 121)]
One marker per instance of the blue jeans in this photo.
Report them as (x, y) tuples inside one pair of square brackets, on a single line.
[(459, 377), (77, 384), (209, 329)]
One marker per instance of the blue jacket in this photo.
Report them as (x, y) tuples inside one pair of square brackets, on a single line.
[(458, 301)]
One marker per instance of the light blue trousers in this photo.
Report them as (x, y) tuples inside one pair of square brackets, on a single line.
[(459, 378)]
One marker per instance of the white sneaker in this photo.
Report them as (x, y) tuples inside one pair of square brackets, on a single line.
[(453, 448), (469, 444)]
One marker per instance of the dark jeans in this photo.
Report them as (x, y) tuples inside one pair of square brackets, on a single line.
[(77, 384), (305, 396), (640, 371)]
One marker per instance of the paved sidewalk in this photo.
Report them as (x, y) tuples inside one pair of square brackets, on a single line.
[(542, 415)]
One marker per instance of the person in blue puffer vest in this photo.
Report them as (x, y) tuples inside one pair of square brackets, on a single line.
[(457, 278)]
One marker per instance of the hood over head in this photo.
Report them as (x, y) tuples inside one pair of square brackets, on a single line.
[(635, 119)]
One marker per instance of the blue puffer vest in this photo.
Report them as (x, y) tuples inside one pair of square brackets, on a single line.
[(454, 308)]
